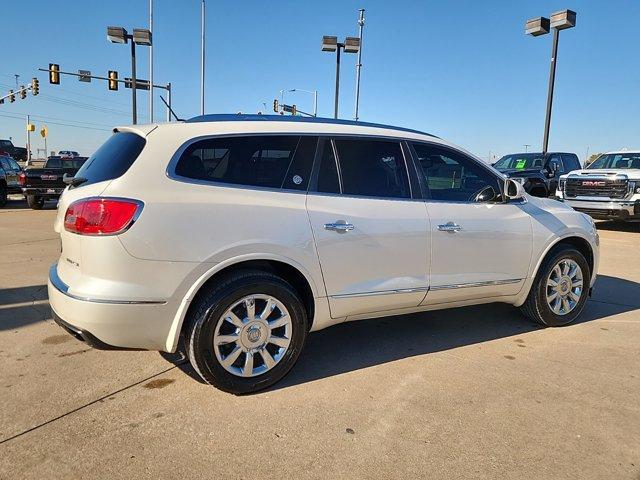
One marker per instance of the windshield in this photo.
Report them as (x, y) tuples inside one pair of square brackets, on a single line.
[(520, 161), (617, 160)]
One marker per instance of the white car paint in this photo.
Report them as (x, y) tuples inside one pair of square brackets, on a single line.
[(133, 290)]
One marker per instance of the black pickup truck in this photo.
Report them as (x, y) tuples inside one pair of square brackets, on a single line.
[(539, 173), (19, 154), (41, 184)]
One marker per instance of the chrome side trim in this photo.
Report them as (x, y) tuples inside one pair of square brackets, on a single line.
[(382, 292), (476, 284), (64, 289)]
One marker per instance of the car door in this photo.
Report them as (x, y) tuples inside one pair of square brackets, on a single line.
[(371, 236), (480, 246), (10, 174)]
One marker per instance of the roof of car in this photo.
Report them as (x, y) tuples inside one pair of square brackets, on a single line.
[(622, 152), (228, 117)]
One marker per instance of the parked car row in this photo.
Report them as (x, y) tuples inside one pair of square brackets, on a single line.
[(37, 184)]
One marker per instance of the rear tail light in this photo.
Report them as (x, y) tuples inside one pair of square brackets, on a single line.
[(22, 179), (101, 216)]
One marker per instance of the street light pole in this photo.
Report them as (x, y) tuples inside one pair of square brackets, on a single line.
[(335, 107), (202, 11), (541, 26), (359, 64), (552, 79), (133, 83), (151, 63)]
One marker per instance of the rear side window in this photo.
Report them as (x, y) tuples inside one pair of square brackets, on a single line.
[(112, 159), (372, 168), (261, 161), (53, 163)]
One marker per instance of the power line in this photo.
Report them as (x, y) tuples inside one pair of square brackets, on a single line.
[(21, 117)]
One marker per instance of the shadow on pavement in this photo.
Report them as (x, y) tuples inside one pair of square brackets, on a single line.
[(17, 308), (618, 226)]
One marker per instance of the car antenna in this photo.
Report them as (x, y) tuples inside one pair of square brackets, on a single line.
[(171, 110)]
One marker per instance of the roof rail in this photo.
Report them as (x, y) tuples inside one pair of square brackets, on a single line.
[(232, 117)]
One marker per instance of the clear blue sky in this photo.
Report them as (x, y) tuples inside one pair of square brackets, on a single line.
[(463, 70)]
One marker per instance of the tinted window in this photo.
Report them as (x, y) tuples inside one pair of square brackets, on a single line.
[(555, 163), (13, 164), (617, 160), (53, 163), (372, 168), (520, 161), (112, 159), (297, 177), (328, 172), (451, 175), (261, 161), (4, 163), (571, 162)]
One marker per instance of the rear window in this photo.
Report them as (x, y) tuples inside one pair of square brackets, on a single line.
[(112, 159)]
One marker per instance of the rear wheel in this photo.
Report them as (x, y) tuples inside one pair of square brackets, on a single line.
[(560, 289), (3, 194), (246, 331), (35, 202)]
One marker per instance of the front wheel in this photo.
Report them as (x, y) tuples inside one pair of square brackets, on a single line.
[(246, 331), (560, 289), (35, 202)]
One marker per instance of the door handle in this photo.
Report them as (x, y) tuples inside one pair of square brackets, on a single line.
[(449, 227), (339, 227)]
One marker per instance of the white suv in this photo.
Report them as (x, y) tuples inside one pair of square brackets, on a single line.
[(230, 237)]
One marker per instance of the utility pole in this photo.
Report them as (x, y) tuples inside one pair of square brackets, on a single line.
[(359, 64), (151, 63), (28, 141), (17, 77), (526, 147), (134, 82), (202, 12)]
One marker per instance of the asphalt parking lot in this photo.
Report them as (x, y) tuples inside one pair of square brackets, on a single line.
[(476, 392)]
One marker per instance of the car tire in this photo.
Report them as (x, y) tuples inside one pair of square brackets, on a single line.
[(538, 192), (35, 202), (225, 365), (541, 305), (3, 195)]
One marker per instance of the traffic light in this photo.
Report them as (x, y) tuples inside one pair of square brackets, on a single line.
[(23, 92), (12, 96), (113, 80), (35, 86), (54, 74), (276, 106)]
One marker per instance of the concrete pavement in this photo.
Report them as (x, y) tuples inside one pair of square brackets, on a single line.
[(476, 392)]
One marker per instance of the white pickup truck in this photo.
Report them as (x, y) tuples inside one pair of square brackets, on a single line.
[(609, 189)]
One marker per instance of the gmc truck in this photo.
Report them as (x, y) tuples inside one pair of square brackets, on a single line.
[(7, 148), (41, 184), (609, 189)]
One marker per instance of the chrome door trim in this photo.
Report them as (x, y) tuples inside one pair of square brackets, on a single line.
[(381, 292), (476, 284)]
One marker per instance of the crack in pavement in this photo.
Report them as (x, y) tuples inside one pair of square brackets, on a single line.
[(81, 407), (29, 241)]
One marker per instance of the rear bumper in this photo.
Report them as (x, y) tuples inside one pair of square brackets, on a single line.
[(53, 192), (608, 210), (110, 324)]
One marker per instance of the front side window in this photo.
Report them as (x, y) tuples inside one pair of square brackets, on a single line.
[(4, 163), (372, 168), (555, 164), (451, 176), (617, 160), (570, 162), (260, 161)]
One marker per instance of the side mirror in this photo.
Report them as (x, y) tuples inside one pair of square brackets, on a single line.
[(487, 194), (513, 190)]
